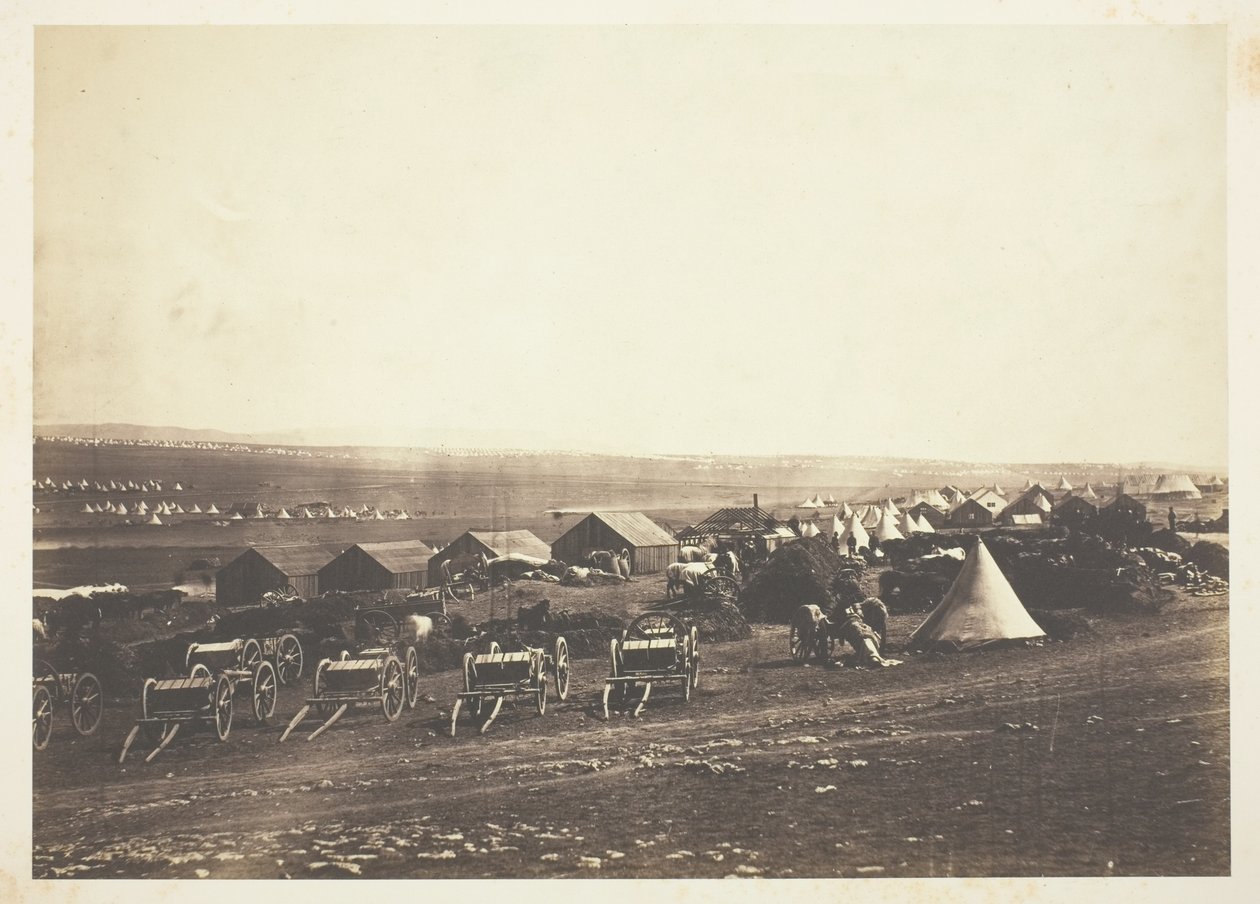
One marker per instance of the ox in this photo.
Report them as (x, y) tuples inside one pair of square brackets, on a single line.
[(685, 577), (415, 629), (692, 554)]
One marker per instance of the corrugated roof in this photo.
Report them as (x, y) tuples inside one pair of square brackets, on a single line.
[(506, 541), (296, 560), (399, 556), (637, 528)]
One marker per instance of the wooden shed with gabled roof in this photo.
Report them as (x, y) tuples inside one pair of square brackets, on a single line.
[(261, 568), (489, 543), (391, 565), (738, 524), (650, 547)]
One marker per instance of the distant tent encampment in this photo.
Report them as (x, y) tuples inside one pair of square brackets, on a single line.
[(981, 608), (1063, 486)]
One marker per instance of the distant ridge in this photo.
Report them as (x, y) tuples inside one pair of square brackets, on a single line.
[(889, 471)]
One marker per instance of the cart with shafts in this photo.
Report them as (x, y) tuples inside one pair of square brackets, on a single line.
[(386, 673), (217, 673), (52, 689), (657, 648), (498, 675)]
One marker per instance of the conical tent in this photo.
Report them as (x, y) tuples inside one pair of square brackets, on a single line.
[(890, 508), (830, 500), (808, 503), (196, 509), (154, 519), (1088, 493), (871, 518), (809, 529), (887, 529), (1028, 484), (997, 489), (176, 509), (403, 516), (236, 516), (845, 512), (213, 510), (87, 509), (853, 528), (306, 513), (980, 608), (1063, 484), (817, 502), (122, 508), (925, 526), (179, 486), (1176, 486), (283, 514), (907, 524)]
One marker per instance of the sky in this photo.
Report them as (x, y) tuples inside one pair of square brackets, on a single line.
[(977, 243)]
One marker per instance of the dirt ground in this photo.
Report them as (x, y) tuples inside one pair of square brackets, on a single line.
[(1105, 755)]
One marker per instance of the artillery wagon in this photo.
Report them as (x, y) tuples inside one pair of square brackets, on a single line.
[(216, 673), (52, 689), (657, 648), (386, 674), (495, 676)]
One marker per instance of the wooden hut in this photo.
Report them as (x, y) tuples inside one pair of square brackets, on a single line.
[(651, 548), (394, 565), (970, 513), (261, 568), (930, 513), (491, 543), (1075, 512)]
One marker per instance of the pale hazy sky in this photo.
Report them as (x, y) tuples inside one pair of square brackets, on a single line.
[(985, 243)]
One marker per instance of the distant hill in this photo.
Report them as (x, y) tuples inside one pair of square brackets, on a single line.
[(165, 434), (755, 470)]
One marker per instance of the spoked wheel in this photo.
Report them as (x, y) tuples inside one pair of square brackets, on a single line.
[(223, 707), (87, 704), (656, 624), (541, 700), (618, 691), (323, 708), (251, 655), (412, 677), (288, 660), (720, 587), (801, 642), (693, 678), (263, 695), (393, 693), (560, 660), (290, 591), (688, 654), (41, 716), (382, 626)]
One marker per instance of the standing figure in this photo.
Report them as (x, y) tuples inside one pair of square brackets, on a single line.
[(852, 545), (1172, 520)]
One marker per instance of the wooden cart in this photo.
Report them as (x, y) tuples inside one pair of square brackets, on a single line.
[(52, 689), (495, 676), (657, 648)]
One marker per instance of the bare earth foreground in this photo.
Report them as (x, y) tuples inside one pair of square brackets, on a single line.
[(1105, 755)]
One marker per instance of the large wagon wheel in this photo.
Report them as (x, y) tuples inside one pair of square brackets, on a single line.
[(560, 664), (393, 694), (263, 693), (412, 677), (685, 664), (656, 624), (470, 684), (618, 690), (41, 716), (719, 587), (384, 626), (801, 641), (324, 708), (154, 731), (222, 702), (251, 655), (87, 704), (288, 660), (45, 673), (290, 591), (540, 683), (693, 677)]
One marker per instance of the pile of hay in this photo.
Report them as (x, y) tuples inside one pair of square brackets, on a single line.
[(1061, 625), (1210, 557), (1168, 541), (795, 574)]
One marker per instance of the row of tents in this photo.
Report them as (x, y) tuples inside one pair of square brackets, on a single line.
[(112, 486)]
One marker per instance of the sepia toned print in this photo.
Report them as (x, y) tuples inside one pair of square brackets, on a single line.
[(630, 452)]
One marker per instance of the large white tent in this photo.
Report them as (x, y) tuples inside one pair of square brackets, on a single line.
[(980, 608)]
